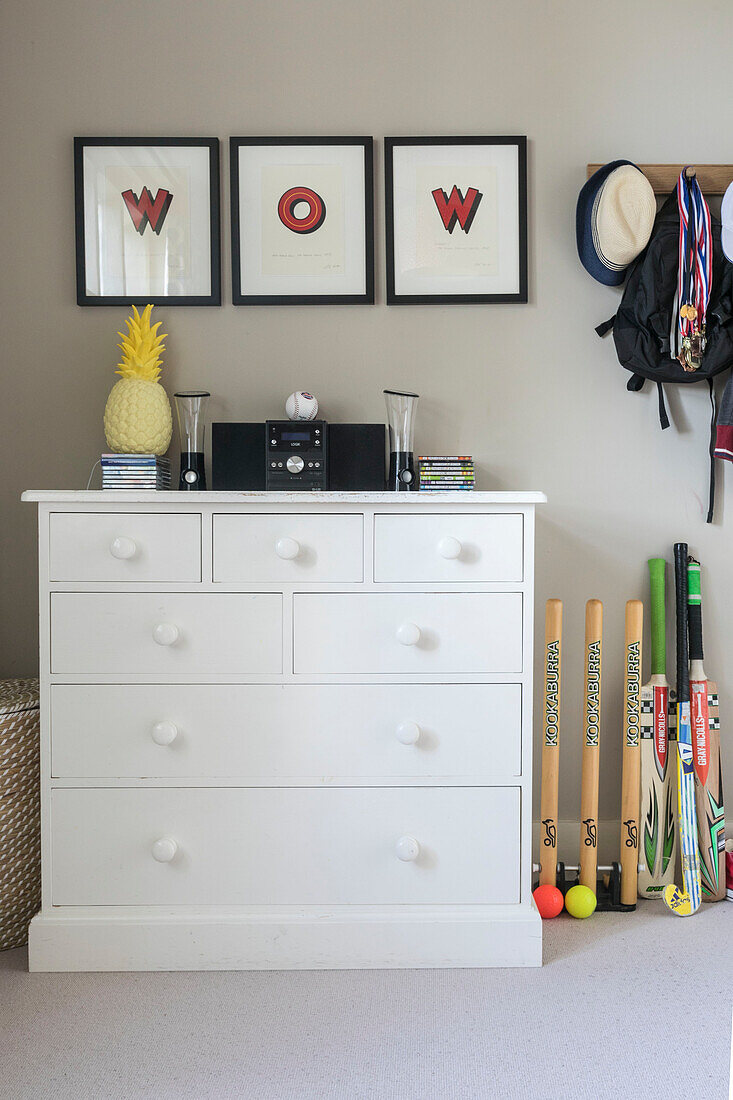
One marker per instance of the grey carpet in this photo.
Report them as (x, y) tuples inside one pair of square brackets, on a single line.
[(625, 1006)]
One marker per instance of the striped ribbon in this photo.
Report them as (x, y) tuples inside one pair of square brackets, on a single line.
[(695, 264)]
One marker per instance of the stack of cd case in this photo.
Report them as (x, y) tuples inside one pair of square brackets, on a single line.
[(135, 472), (439, 473)]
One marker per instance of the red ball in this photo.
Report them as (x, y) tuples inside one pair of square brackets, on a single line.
[(548, 900)]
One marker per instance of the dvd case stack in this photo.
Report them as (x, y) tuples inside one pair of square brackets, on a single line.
[(135, 472), (439, 473)]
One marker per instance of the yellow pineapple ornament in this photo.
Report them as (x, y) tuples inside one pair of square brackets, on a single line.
[(137, 417)]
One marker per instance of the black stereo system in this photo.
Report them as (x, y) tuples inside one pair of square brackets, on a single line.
[(298, 455)]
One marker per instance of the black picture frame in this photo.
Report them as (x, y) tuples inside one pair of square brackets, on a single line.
[(83, 298), (521, 294), (266, 299)]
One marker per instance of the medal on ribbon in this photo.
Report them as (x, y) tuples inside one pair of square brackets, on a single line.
[(695, 271)]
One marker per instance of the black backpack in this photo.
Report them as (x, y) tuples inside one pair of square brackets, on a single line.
[(641, 327)]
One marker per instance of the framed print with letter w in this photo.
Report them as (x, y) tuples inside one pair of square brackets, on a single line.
[(147, 221), (302, 221), (456, 219)]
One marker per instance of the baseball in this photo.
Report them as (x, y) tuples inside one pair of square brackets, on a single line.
[(301, 406)]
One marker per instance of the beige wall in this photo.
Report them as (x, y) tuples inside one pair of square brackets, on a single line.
[(529, 390)]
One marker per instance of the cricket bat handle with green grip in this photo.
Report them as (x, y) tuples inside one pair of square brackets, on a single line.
[(658, 836)]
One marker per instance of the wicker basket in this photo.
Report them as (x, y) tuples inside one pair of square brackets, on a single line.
[(20, 811)]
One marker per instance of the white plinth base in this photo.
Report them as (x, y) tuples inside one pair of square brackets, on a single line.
[(479, 936)]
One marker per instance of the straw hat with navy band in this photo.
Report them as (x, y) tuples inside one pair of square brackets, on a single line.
[(614, 220)]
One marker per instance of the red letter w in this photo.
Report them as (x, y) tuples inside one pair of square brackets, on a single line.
[(144, 210), (456, 208)]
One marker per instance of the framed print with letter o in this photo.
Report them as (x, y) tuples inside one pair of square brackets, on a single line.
[(147, 221), (302, 221), (456, 219)]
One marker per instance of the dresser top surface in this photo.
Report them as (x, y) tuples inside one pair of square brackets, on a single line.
[(196, 500)]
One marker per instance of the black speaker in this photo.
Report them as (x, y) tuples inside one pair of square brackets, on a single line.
[(356, 457), (238, 456)]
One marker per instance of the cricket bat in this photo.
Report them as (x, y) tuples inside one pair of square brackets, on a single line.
[(684, 901), (659, 836), (631, 754), (550, 743), (706, 751), (591, 744)]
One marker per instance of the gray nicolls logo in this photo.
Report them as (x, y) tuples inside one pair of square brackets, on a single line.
[(632, 697), (550, 837), (551, 690), (591, 833), (632, 835), (592, 728)]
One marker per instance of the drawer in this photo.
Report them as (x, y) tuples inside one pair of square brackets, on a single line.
[(124, 546), (408, 633), (291, 548), (198, 634), (456, 548), (285, 846), (293, 733)]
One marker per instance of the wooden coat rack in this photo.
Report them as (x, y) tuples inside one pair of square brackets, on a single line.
[(713, 178)]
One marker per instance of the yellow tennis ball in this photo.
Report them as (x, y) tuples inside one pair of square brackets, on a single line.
[(580, 901)]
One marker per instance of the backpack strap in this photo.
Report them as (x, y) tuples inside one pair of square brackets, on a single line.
[(663, 418), (636, 382), (713, 430), (605, 327)]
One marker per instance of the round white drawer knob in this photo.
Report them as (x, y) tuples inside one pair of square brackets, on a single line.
[(122, 548), (164, 850), (408, 733), (287, 549), (408, 634), (407, 849), (165, 634), (164, 733), (449, 548)]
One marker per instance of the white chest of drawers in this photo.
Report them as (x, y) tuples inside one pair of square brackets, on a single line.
[(285, 730)]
